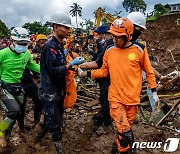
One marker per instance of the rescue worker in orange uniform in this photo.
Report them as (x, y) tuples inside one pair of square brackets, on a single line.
[(124, 63), (71, 94)]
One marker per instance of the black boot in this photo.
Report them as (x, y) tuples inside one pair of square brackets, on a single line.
[(114, 148), (58, 148)]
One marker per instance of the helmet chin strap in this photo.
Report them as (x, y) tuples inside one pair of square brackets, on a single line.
[(12, 47)]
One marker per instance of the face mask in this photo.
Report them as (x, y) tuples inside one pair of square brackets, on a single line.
[(102, 41), (21, 48), (96, 37), (65, 52), (135, 35)]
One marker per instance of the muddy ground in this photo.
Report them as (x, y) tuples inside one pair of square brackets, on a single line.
[(73, 143), (161, 35)]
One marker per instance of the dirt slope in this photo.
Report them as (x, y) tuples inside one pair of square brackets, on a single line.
[(163, 34)]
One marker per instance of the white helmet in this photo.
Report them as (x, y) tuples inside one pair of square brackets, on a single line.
[(20, 34), (61, 18), (137, 18)]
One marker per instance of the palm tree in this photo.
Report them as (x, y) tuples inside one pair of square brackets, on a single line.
[(75, 11)]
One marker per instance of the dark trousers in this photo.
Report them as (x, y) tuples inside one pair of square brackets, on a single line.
[(103, 116), (31, 90), (53, 118)]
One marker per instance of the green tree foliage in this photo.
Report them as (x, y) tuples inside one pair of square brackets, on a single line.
[(117, 14), (89, 24), (47, 24), (159, 10), (134, 5), (75, 11), (37, 28), (104, 21), (4, 31), (167, 7), (82, 25)]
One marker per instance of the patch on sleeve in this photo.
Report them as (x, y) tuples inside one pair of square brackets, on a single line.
[(54, 51)]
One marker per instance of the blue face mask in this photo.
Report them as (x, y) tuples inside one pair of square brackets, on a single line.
[(65, 52), (21, 48), (102, 41)]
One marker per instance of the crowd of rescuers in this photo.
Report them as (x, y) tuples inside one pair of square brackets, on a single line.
[(118, 59)]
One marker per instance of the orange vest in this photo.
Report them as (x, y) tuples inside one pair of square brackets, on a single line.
[(71, 94), (125, 69)]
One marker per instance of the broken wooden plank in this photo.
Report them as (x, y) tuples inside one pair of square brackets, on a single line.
[(170, 111), (82, 100), (96, 107), (85, 98), (92, 95), (174, 79), (92, 103)]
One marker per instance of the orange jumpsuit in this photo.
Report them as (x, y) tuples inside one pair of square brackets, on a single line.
[(71, 94), (125, 69)]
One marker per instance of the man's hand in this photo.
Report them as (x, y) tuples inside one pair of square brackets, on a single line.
[(77, 61), (81, 73), (155, 96), (89, 65), (156, 99)]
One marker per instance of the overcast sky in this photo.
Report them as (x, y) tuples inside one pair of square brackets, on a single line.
[(17, 12)]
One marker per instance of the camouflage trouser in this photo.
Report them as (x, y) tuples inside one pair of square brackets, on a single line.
[(11, 105)]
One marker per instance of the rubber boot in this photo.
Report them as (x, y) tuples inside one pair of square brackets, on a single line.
[(58, 148), (9, 130), (37, 117), (21, 125), (116, 151), (38, 133), (107, 122), (3, 127), (114, 148), (127, 152)]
